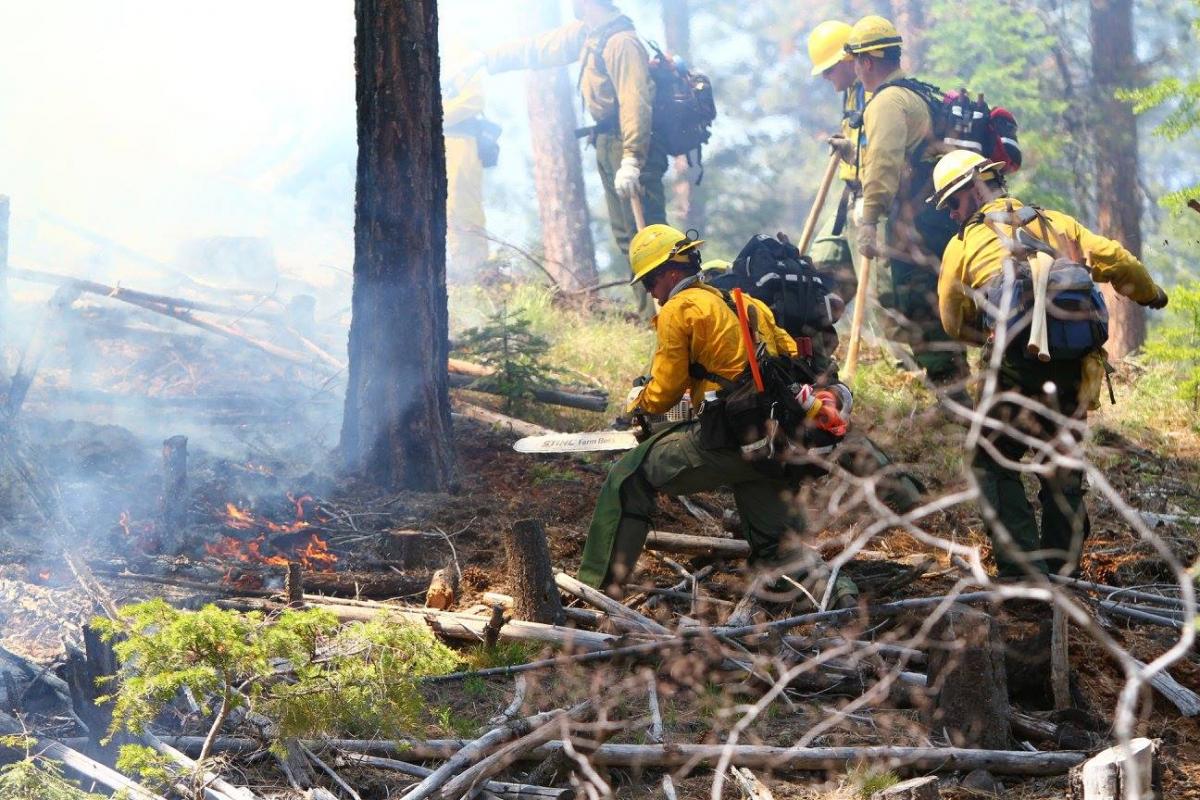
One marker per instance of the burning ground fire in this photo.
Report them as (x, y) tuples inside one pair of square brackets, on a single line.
[(276, 543)]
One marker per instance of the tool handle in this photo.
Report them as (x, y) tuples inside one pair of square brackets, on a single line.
[(810, 224), (860, 307), (639, 216), (739, 300)]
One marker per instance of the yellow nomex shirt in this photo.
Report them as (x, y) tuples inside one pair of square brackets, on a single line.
[(696, 325), (976, 255)]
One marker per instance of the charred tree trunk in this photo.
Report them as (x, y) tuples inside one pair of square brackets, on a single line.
[(689, 198), (1118, 196), (396, 428), (909, 18), (558, 170)]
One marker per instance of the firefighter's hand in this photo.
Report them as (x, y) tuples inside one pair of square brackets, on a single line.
[(627, 180), (843, 147), (622, 423), (867, 239), (1159, 300)]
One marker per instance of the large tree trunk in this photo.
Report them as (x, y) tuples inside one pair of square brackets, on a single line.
[(690, 207), (909, 18), (558, 169), (1118, 196), (396, 428)]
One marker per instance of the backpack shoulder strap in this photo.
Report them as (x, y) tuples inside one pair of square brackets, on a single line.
[(697, 370), (600, 41)]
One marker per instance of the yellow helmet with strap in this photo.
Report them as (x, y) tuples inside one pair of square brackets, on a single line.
[(873, 35), (827, 45), (654, 245), (956, 169)]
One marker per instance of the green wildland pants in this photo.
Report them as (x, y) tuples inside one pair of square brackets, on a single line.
[(609, 149), (674, 462), (1065, 523), (912, 298)]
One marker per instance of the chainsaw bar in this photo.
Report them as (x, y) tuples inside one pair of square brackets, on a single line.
[(577, 442)]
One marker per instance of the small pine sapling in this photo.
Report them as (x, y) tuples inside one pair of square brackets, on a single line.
[(508, 346)]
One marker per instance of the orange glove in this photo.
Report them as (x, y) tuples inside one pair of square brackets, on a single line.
[(824, 413)]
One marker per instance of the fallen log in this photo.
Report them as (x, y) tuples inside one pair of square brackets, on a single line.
[(559, 397), (1178, 695), (1112, 591), (458, 764), (697, 545), (916, 759), (216, 781), (465, 782), (449, 623), (488, 417), (122, 293), (605, 603), (94, 770), (512, 791), (181, 312)]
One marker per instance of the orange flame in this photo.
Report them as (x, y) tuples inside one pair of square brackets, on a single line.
[(314, 555)]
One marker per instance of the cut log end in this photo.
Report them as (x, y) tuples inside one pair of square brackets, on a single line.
[(443, 589)]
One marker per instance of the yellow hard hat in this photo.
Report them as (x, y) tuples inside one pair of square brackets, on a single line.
[(826, 45), (654, 245), (716, 265), (955, 170), (872, 35)]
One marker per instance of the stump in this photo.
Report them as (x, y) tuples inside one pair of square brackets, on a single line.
[(967, 682), (293, 585), (443, 588), (535, 595), (916, 789), (1106, 775), (173, 513)]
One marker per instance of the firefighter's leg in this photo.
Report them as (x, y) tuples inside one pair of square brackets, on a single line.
[(1005, 494), (620, 211)]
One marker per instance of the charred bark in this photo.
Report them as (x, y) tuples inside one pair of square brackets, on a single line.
[(558, 170), (173, 513), (396, 427), (1118, 196), (690, 203), (909, 18)]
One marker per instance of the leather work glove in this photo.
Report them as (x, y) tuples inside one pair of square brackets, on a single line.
[(867, 237), (1160, 299), (843, 147), (626, 181)]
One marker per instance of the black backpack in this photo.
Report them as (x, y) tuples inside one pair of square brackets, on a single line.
[(684, 105), (774, 272), (760, 424), (960, 123)]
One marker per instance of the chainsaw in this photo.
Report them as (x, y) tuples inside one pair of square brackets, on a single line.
[(623, 438)]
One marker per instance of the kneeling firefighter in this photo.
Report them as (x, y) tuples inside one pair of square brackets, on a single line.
[(759, 410)]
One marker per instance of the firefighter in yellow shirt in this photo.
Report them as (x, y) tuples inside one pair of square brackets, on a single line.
[(895, 170), (831, 251), (972, 189), (618, 92), (466, 223), (694, 326)]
